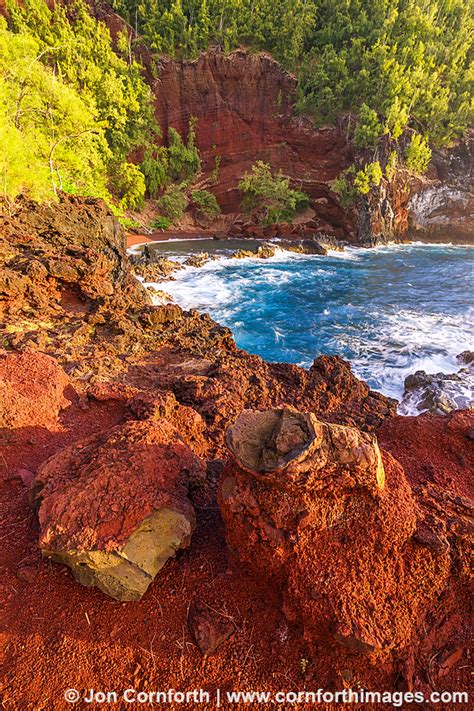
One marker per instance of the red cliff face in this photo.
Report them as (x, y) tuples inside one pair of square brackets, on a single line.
[(244, 105)]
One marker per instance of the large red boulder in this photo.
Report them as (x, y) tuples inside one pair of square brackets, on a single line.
[(114, 507), (317, 510)]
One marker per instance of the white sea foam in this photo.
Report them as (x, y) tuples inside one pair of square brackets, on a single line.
[(406, 342)]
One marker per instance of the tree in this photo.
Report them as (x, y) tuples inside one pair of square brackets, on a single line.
[(418, 154), (270, 195), (52, 139)]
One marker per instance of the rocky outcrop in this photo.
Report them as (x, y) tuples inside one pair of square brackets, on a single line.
[(114, 508), (157, 269), (442, 206), (198, 260), (316, 509), (63, 255), (371, 570), (220, 389), (67, 289), (439, 393), (32, 390)]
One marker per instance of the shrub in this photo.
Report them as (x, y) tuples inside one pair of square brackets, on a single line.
[(183, 158), (205, 203), (214, 176), (128, 223), (270, 195), (173, 203), (418, 154), (343, 185), (368, 128), (368, 177), (129, 184), (397, 118), (154, 167), (160, 223)]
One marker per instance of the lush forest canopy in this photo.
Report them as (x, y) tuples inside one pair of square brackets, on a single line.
[(75, 109), (72, 108), (409, 61)]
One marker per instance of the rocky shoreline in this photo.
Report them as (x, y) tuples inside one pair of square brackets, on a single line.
[(300, 517), (423, 392)]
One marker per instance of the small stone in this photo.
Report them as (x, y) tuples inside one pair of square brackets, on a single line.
[(25, 476), (208, 628), (26, 573)]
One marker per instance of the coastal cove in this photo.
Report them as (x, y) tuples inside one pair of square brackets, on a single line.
[(389, 310)]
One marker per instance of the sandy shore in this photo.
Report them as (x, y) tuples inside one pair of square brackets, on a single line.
[(163, 235)]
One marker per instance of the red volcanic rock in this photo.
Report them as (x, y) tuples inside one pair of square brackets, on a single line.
[(157, 405), (437, 453), (63, 258), (208, 627), (32, 389), (310, 506), (114, 507), (219, 391), (244, 105)]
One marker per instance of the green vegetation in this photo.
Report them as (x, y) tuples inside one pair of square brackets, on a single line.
[(72, 109), (205, 203), (160, 223), (270, 195), (408, 61), (368, 177), (390, 63), (183, 158), (76, 111), (182, 28), (154, 167), (353, 182), (79, 49), (178, 162), (344, 186), (50, 135), (130, 187), (418, 154), (173, 202)]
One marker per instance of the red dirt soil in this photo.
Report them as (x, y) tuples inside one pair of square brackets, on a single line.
[(58, 634)]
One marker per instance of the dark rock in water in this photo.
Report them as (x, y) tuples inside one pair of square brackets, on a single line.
[(265, 251), (440, 393), (465, 358), (305, 246), (242, 254), (315, 244)]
